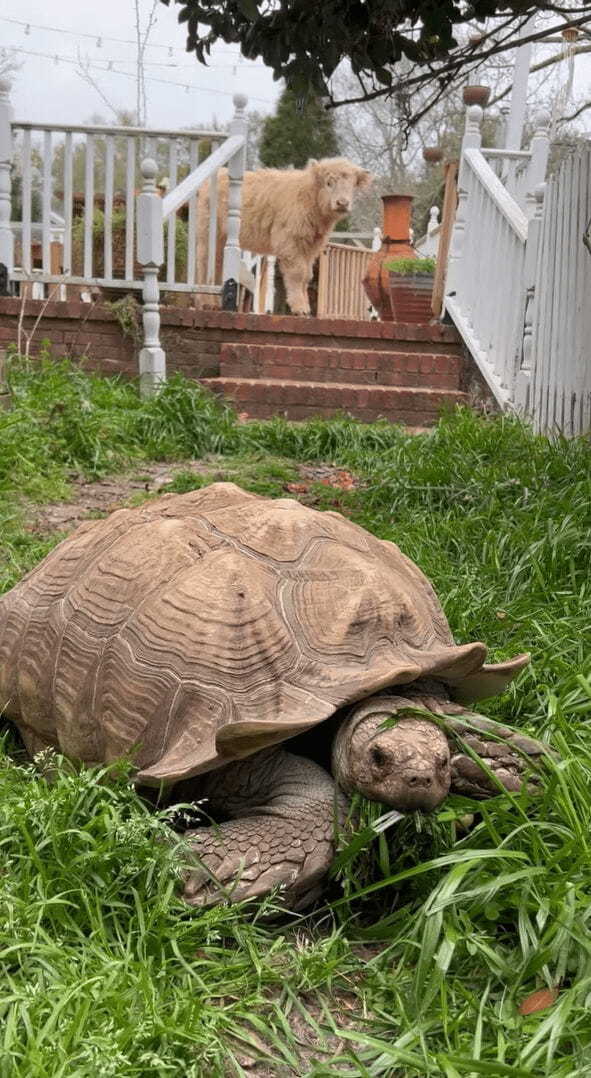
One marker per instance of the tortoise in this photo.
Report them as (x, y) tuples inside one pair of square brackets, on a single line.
[(197, 633)]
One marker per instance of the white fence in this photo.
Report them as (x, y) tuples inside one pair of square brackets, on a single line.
[(559, 366), (493, 256), (519, 277), (115, 205)]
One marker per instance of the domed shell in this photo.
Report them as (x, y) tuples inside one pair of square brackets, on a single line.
[(200, 628)]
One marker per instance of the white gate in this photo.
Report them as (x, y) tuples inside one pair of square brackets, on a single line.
[(560, 396), (519, 277)]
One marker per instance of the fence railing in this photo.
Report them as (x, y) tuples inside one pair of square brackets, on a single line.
[(493, 257), (82, 181), (90, 176), (512, 168), (81, 219)]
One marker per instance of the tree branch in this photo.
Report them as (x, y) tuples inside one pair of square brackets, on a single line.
[(548, 62), (573, 115), (467, 59)]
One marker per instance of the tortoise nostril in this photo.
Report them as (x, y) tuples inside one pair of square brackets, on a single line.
[(378, 756), (420, 780)]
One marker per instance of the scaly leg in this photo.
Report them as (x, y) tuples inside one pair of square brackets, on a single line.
[(284, 813), (511, 756)]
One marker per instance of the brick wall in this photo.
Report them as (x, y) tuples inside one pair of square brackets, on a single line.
[(193, 338)]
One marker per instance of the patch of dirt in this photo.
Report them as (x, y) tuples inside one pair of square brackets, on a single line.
[(327, 475), (102, 496), (314, 1044)]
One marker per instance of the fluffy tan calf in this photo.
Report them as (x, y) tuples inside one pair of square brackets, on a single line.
[(288, 213)]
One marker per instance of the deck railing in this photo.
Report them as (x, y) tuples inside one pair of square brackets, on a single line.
[(90, 176), (116, 207), (493, 256), (556, 367)]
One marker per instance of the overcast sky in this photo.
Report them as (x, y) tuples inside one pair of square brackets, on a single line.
[(48, 91), (48, 88)]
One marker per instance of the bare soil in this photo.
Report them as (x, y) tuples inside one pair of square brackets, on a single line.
[(102, 496)]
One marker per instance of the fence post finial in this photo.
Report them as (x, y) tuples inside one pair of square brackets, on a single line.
[(433, 219), (6, 237), (472, 134), (236, 165), (150, 254)]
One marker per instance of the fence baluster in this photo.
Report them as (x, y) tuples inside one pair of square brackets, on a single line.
[(27, 203), (171, 237), (46, 204), (213, 230), (109, 184), (192, 221), (88, 206), (130, 208), (68, 208), (6, 237)]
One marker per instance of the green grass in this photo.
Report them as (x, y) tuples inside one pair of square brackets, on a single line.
[(431, 935)]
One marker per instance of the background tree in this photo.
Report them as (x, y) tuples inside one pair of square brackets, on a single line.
[(304, 43), (374, 135), (298, 130)]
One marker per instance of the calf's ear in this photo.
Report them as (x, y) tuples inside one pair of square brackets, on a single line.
[(364, 178)]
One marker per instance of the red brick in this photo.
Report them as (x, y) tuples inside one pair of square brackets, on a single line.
[(398, 404)]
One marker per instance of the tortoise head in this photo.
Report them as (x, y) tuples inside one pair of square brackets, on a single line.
[(405, 764)]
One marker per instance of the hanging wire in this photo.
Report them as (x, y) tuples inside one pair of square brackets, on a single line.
[(80, 33), (101, 65)]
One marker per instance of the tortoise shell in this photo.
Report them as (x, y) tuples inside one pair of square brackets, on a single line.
[(202, 627)]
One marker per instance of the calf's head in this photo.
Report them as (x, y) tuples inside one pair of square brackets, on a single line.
[(336, 181)]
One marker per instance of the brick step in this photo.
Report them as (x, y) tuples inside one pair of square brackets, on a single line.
[(261, 398), (429, 369)]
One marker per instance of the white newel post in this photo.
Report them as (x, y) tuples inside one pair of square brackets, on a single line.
[(516, 117), (150, 254), (472, 140), (6, 237), (524, 375), (236, 164), (539, 149)]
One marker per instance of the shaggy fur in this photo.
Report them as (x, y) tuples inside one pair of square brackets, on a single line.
[(288, 213)]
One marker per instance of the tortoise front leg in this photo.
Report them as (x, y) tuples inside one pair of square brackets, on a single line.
[(284, 813), (511, 756)]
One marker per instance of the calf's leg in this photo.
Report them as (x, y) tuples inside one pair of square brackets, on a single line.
[(296, 275)]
